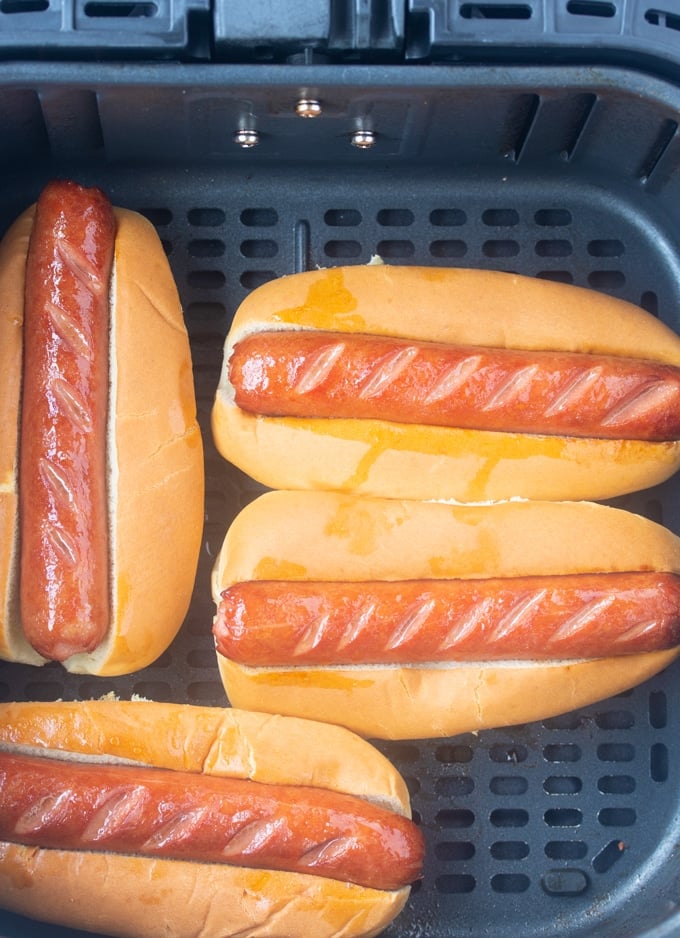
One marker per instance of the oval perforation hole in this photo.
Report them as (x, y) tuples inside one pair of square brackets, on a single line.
[(259, 247), (616, 752), (206, 217), (509, 817), (563, 817), (259, 217), (658, 762), (454, 786), (501, 248), (554, 247), (508, 753), (24, 6), (450, 248), (342, 249), (608, 856), (565, 882), (450, 851), (159, 217), (402, 753), (500, 217), (507, 785), (206, 279), (395, 217), (558, 276), (342, 218), (606, 279), (509, 850), (206, 311), (562, 785), (455, 883), (396, 248), (616, 784), (658, 709), (553, 217), (606, 247), (566, 849), (454, 755), (459, 818), (448, 217), (650, 301), (599, 8), (206, 247), (617, 817), (562, 752), (120, 10), (615, 720), (510, 882), (250, 279)]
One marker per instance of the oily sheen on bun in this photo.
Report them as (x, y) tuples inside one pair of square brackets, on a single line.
[(154, 458), (501, 328), (139, 896), (558, 633)]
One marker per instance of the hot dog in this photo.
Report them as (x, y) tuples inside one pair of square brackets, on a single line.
[(410, 619), (472, 385), (203, 819), (98, 439)]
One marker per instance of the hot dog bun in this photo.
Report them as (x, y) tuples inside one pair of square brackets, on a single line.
[(156, 442), (143, 898), (464, 307), (332, 536)]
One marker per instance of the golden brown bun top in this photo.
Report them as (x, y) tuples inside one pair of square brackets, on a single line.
[(214, 740), (465, 306), (325, 535)]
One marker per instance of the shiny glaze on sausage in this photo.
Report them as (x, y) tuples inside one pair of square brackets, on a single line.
[(307, 373), (179, 815), (269, 622), (64, 579)]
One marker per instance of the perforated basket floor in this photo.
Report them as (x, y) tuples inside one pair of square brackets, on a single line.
[(568, 827)]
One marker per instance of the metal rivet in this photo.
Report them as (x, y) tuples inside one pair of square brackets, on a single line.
[(363, 139), (308, 107), (246, 138)]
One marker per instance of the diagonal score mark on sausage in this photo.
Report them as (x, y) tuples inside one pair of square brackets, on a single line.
[(318, 368), (412, 622), (514, 387), (517, 615), (639, 403), (46, 811), (313, 636), (69, 330), (254, 837), (387, 371), (119, 808), (81, 267), (583, 619), (73, 405), (466, 624), (177, 828), (452, 379), (575, 390), (357, 626)]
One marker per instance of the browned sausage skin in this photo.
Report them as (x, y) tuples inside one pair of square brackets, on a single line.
[(305, 373), (152, 812), (65, 592), (267, 623)]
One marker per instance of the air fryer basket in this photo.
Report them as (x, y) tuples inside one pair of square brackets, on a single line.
[(565, 827)]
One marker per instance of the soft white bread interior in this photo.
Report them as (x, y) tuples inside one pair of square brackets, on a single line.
[(461, 306), (155, 448), (142, 898), (325, 535)]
